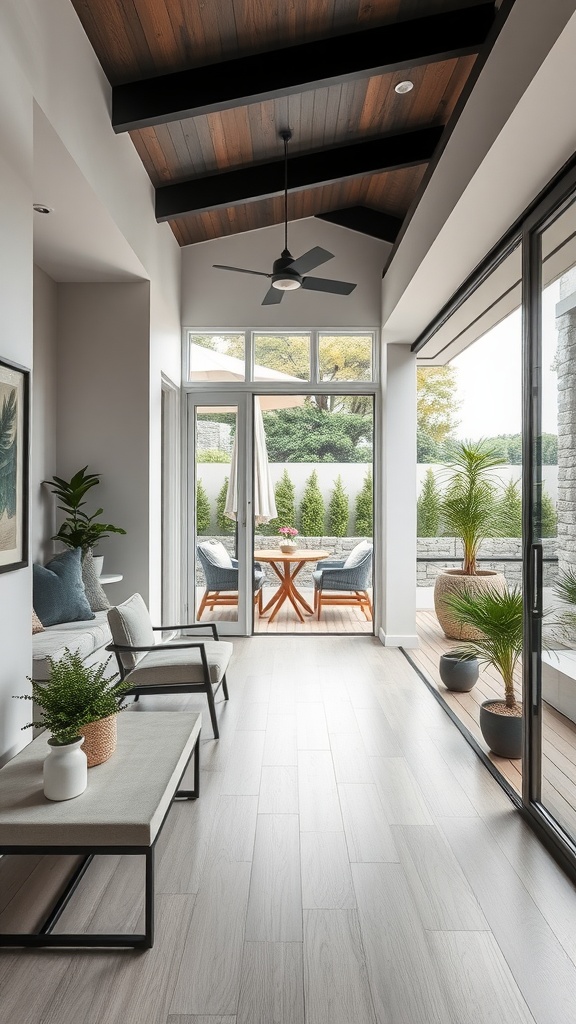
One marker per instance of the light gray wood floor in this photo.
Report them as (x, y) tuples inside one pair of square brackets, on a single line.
[(349, 861)]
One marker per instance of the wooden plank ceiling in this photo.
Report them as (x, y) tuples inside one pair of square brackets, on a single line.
[(332, 97)]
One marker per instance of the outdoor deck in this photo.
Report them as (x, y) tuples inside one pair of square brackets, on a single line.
[(559, 740), (337, 619)]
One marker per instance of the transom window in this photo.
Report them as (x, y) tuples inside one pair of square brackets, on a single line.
[(265, 356)]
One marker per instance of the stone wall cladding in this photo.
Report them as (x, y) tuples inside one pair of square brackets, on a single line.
[(505, 547), (434, 547)]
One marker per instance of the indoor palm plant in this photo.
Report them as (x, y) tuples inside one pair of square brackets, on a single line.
[(471, 511), (79, 530), (497, 621), (78, 705)]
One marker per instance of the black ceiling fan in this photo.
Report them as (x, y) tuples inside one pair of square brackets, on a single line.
[(287, 272)]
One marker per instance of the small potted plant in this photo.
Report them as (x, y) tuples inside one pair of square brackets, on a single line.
[(497, 621), (79, 530), (287, 542), (78, 706)]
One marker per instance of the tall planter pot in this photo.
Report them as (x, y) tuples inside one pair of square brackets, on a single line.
[(455, 581)]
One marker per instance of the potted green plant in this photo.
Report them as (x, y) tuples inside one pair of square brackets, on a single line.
[(497, 621), (470, 510), (79, 530), (78, 705)]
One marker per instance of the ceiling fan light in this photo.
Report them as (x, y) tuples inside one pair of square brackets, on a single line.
[(285, 284)]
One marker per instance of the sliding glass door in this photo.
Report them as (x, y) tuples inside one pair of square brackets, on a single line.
[(550, 407)]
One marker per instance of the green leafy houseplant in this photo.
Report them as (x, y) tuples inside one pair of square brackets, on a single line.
[(470, 510), (79, 530), (498, 619), (75, 695)]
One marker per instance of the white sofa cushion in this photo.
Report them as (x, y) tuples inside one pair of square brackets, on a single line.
[(83, 638)]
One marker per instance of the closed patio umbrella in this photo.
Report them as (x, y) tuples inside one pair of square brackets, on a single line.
[(264, 501)]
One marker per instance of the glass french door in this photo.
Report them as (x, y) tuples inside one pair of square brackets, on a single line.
[(550, 524), (220, 511)]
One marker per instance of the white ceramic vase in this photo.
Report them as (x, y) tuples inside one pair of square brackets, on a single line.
[(287, 546), (98, 564), (65, 770)]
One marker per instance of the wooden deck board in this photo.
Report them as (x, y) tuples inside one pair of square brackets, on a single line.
[(559, 733)]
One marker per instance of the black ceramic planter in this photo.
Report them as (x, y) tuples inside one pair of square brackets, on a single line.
[(458, 674), (503, 733)]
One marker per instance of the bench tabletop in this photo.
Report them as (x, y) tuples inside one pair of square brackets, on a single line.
[(126, 798)]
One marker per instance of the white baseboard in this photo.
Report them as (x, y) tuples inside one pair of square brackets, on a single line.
[(389, 640)]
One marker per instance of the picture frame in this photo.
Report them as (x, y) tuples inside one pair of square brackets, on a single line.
[(14, 465)]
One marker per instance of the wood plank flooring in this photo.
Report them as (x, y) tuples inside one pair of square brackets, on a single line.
[(339, 619), (559, 733), (349, 861)]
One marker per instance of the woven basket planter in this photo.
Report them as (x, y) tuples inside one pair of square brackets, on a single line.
[(455, 581), (100, 740)]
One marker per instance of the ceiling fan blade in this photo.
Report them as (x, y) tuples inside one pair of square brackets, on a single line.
[(321, 284), (311, 259), (273, 297), (240, 270)]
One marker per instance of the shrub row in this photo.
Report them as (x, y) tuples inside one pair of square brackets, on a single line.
[(510, 502), (312, 519)]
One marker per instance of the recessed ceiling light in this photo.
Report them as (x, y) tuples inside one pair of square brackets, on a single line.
[(42, 208), (403, 87)]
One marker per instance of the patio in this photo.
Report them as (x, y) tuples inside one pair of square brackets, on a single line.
[(559, 739), (335, 618)]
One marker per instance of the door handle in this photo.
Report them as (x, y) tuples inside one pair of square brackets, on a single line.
[(537, 580)]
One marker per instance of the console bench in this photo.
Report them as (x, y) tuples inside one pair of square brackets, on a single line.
[(122, 811)]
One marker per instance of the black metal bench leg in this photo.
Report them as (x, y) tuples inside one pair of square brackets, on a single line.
[(149, 901), (224, 687)]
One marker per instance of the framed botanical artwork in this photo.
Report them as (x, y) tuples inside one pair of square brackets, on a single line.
[(14, 442)]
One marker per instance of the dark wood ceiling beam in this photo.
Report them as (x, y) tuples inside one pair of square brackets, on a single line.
[(265, 76), (366, 221), (323, 167)]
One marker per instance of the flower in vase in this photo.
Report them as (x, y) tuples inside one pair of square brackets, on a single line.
[(288, 532)]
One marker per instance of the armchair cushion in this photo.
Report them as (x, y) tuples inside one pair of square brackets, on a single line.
[(357, 554), (217, 553), (130, 624), (169, 668)]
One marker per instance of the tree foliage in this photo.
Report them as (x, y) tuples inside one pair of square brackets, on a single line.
[(202, 509), (510, 511), (436, 401), (309, 434), (338, 510), (285, 498), (312, 509), (365, 508), (225, 525), (429, 507)]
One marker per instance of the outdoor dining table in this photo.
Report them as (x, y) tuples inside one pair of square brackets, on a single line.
[(282, 564)]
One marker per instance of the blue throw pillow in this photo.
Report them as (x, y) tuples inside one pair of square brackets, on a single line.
[(58, 590)]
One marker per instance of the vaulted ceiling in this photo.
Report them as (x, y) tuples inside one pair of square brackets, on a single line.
[(205, 86)]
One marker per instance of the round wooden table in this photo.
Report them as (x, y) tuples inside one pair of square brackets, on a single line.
[(282, 565)]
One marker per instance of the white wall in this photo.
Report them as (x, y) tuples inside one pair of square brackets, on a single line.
[(16, 346), (112, 346), (103, 370), (44, 403), (218, 298)]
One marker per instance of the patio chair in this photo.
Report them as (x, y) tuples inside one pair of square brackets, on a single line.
[(221, 573), (349, 577), (181, 665)]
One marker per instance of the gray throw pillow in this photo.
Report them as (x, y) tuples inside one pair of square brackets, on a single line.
[(58, 590), (94, 590)]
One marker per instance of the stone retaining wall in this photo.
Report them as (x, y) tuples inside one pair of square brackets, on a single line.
[(339, 547)]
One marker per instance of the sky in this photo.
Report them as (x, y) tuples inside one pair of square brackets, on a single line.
[(489, 377)]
